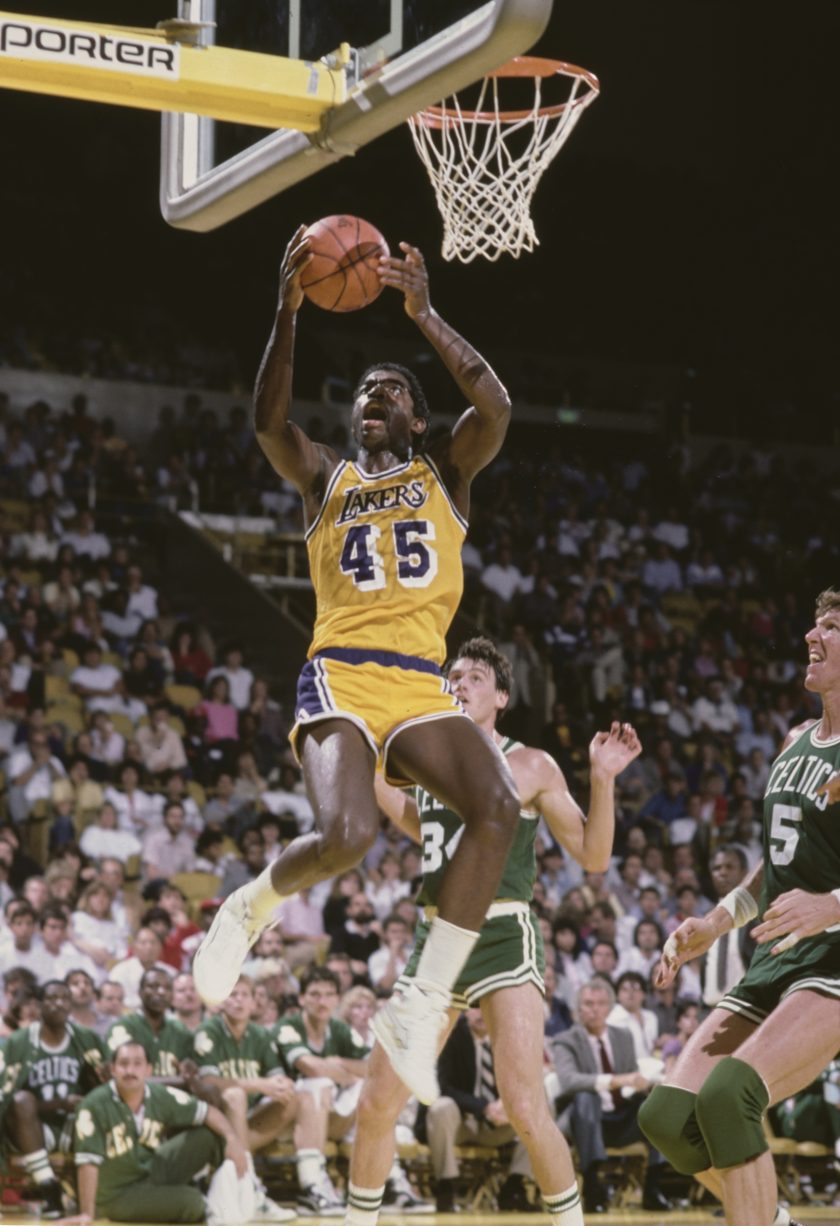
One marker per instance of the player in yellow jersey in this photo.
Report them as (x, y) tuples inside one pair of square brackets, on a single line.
[(384, 535)]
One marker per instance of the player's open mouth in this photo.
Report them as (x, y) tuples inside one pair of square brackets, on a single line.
[(374, 412)]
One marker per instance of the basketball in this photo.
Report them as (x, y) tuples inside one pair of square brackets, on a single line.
[(342, 274)]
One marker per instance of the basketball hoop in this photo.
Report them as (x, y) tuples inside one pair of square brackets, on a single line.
[(485, 164)]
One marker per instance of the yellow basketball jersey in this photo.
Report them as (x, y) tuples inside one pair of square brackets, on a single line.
[(385, 560)]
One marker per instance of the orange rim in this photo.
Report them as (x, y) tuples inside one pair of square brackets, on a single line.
[(519, 66)]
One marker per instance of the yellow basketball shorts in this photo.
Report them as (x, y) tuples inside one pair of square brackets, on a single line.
[(381, 692)]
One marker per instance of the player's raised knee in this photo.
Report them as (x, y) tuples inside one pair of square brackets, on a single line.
[(343, 844), (667, 1118), (730, 1111)]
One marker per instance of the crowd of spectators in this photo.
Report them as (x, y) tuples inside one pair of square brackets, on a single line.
[(135, 750)]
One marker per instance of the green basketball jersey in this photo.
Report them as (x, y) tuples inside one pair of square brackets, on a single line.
[(123, 1145), (165, 1049), (441, 831), (292, 1041), (801, 844), (52, 1072), (218, 1054)]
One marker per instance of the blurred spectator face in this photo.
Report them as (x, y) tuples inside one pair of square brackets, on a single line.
[(593, 1007), (185, 998), (22, 927), (649, 902), (53, 933), (476, 1022), (82, 991), (112, 874), (35, 893), (224, 786), (270, 944), (148, 946), (726, 872), (631, 870), (688, 1021), (362, 1010), (253, 849), (683, 856), (631, 995), (647, 937), (174, 819), (604, 960), (349, 883), (340, 966), (550, 980), (112, 999), (360, 909), (565, 940)]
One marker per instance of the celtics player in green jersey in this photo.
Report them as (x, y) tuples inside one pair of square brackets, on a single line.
[(45, 1070), (504, 971), (139, 1145), (779, 1027), (168, 1043)]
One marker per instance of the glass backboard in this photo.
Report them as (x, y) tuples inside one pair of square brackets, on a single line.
[(406, 54)]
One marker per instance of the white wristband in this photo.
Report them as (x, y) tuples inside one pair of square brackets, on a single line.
[(741, 906)]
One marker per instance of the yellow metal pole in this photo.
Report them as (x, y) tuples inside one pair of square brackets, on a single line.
[(147, 69)]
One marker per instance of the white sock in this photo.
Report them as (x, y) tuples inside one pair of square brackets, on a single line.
[(564, 1208), (363, 1205), (445, 952), (782, 1217), (37, 1167), (311, 1167), (261, 896)]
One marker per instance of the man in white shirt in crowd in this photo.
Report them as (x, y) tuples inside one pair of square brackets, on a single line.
[(137, 811), (98, 683), (102, 838), (31, 772), (239, 678), (21, 946), (142, 599), (169, 850), (148, 950), (86, 541), (160, 744), (713, 711), (58, 955), (388, 962)]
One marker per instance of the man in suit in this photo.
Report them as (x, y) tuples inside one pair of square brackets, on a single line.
[(726, 962), (601, 1090), (469, 1112)]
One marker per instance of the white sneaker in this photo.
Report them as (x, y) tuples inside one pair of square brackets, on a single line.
[(408, 1028), (219, 958), (267, 1210)]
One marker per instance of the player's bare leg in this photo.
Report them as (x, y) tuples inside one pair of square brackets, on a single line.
[(459, 764), (749, 1191), (338, 767), (515, 1021), (382, 1099)]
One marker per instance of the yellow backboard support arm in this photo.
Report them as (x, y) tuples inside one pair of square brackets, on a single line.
[(150, 70)]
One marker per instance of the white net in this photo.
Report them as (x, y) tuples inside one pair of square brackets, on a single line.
[(485, 163)]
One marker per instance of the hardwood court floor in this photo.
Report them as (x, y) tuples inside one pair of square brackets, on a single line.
[(625, 1217)]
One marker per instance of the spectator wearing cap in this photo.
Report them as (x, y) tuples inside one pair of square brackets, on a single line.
[(160, 744)]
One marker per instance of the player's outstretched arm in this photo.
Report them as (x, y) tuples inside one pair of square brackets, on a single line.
[(399, 806), (480, 432), (589, 840), (288, 450), (696, 936)]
